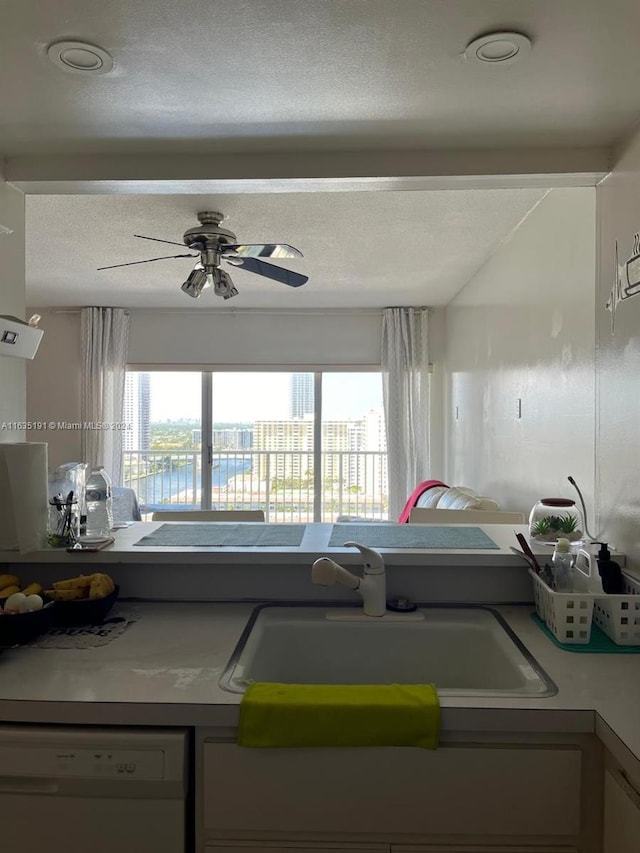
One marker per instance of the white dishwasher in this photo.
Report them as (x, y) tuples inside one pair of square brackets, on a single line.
[(92, 790)]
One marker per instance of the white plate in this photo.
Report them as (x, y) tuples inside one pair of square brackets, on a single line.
[(93, 540)]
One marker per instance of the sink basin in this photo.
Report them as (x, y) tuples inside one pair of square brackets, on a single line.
[(464, 651)]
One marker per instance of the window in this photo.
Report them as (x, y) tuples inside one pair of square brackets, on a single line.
[(161, 453), (301, 446)]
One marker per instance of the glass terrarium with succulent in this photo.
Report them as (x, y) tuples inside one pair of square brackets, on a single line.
[(555, 518)]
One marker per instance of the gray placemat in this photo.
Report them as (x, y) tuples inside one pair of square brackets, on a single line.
[(88, 636), (410, 536), (217, 534)]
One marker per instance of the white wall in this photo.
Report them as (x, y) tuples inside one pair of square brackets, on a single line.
[(12, 301), (523, 329), (229, 337), (53, 385), (618, 359), (437, 387)]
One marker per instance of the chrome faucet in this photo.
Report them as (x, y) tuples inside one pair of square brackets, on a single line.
[(371, 586)]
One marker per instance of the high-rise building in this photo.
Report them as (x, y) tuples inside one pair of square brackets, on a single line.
[(287, 449), (137, 412), (301, 397), (233, 438)]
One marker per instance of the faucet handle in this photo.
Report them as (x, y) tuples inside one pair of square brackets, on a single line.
[(373, 561), (326, 572)]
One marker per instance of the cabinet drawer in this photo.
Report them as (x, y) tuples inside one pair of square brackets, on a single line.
[(621, 814), (459, 791)]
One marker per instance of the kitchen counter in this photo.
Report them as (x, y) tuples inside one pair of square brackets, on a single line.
[(314, 544), (164, 670), (230, 573)]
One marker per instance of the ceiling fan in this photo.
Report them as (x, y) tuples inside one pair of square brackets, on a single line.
[(215, 244)]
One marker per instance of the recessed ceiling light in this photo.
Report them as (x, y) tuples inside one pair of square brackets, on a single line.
[(78, 57), (498, 48)]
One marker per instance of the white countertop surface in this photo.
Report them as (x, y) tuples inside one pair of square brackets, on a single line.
[(314, 544), (164, 670)]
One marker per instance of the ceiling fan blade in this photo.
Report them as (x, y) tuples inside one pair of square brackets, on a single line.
[(148, 261), (264, 250), (293, 279), (156, 240)]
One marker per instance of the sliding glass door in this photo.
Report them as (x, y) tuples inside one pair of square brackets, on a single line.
[(301, 446)]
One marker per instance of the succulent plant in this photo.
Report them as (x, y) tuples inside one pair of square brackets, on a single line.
[(568, 523), (549, 527), (542, 526)]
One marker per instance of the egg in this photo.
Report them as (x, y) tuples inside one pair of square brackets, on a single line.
[(33, 602), (16, 603)]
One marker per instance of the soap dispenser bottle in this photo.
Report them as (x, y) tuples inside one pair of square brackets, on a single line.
[(610, 572)]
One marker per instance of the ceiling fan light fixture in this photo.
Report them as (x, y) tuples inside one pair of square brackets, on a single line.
[(195, 284), (207, 272), (223, 285), (502, 48), (215, 244)]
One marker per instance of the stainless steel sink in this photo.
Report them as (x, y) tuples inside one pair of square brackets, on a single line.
[(464, 651)]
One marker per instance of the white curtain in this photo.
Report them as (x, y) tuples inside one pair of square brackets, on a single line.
[(105, 340), (405, 385)]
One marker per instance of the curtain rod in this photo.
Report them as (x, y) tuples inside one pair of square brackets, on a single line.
[(219, 367), (320, 312)]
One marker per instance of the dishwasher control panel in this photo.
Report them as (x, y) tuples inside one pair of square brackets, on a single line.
[(89, 763)]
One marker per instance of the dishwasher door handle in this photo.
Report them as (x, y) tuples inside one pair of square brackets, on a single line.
[(28, 785)]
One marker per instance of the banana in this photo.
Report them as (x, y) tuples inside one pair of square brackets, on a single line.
[(9, 580), (101, 586), (32, 589), (9, 590), (66, 594), (82, 582), (97, 585)]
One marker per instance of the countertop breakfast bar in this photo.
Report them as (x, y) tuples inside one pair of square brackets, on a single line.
[(424, 562), (134, 544)]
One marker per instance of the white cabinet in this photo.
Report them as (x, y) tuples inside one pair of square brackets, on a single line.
[(621, 814), (461, 797)]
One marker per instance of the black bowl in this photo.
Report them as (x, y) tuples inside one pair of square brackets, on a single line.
[(19, 628), (84, 611)]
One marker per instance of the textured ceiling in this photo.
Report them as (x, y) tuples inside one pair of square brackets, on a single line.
[(211, 76), (306, 74), (360, 250)]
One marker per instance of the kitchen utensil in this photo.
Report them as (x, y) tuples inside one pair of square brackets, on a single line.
[(523, 556), (527, 550)]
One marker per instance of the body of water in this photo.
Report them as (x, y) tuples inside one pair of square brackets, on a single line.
[(181, 484)]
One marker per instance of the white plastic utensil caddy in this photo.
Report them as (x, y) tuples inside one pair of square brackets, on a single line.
[(569, 615)]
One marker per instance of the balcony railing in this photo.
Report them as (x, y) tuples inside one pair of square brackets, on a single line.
[(279, 482)]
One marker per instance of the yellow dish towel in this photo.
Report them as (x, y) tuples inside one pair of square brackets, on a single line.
[(301, 715)]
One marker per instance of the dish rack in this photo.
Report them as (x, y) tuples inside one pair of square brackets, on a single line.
[(570, 615)]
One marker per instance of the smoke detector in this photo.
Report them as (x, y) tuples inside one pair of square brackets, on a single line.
[(498, 48), (78, 57)]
